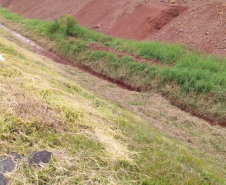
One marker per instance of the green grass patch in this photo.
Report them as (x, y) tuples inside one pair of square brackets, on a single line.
[(191, 79), (93, 141)]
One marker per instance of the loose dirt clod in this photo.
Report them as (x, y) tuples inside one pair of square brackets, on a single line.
[(173, 1)]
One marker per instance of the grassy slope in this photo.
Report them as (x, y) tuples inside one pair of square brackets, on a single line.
[(93, 141), (196, 83)]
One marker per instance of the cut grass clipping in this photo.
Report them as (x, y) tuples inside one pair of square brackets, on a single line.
[(192, 80), (92, 140)]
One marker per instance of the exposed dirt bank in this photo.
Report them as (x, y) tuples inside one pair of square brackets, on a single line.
[(131, 21), (43, 9), (197, 23), (202, 26)]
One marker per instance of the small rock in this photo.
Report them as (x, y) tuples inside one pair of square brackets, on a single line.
[(97, 26), (173, 1), (40, 157), (8, 162), (7, 165), (3, 180)]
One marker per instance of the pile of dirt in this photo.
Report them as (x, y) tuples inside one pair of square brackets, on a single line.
[(203, 27), (194, 22), (126, 19), (197, 23), (43, 9)]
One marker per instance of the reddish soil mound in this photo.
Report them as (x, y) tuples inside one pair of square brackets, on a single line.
[(145, 21), (201, 25), (43, 9), (123, 19)]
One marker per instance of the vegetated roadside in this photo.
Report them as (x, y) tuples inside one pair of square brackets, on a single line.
[(193, 81), (92, 140)]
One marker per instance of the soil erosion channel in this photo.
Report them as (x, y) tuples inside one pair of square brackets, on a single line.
[(56, 58)]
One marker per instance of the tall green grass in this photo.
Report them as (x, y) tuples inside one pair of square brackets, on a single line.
[(193, 79)]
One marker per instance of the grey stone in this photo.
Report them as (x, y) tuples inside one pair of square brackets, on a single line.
[(40, 157), (7, 165), (8, 162), (3, 180)]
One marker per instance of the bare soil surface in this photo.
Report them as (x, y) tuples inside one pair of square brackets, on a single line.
[(197, 23), (203, 27), (43, 9), (127, 20)]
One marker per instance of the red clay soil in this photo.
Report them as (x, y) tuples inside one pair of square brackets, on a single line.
[(43, 9), (199, 23), (120, 19), (202, 27)]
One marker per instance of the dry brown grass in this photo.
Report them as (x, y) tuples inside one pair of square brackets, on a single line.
[(94, 141), (160, 113)]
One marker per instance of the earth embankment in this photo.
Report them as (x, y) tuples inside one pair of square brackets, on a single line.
[(198, 24)]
